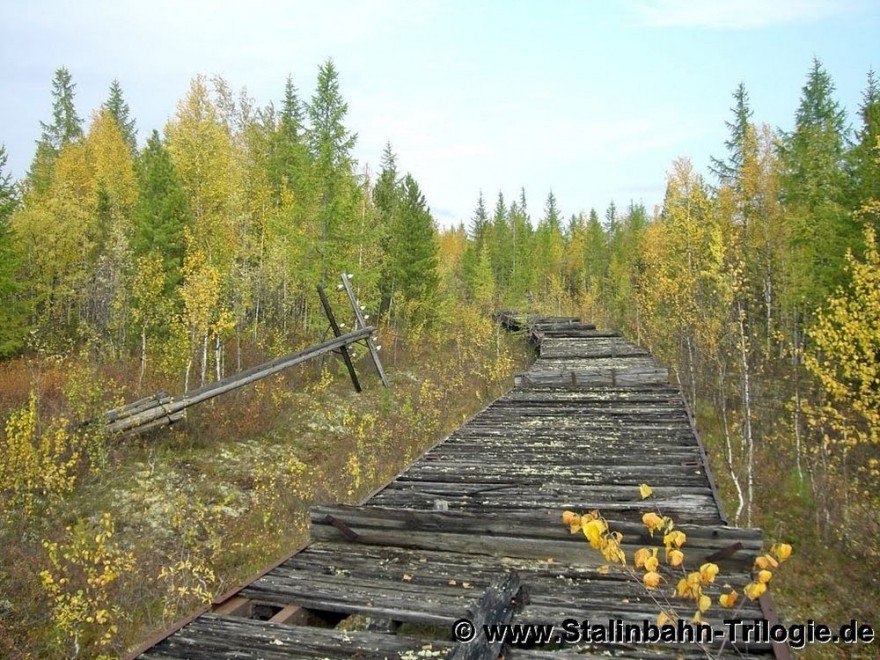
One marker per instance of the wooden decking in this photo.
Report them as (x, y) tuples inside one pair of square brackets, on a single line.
[(472, 529)]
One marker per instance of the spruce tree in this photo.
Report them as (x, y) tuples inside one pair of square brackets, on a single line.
[(330, 144), (476, 242), (162, 212), (813, 189), (65, 127), (329, 140), (118, 107), (413, 256), (387, 202), (728, 170), (500, 245), (865, 155), (289, 157)]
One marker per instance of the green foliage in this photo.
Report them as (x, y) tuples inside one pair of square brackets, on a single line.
[(728, 171), (117, 106), (162, 212), (13, 306), (81, 585), (412, 254), (330, 144), (813, 188), (66, 126), (864, 158)]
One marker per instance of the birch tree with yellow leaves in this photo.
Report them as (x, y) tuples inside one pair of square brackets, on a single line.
[(844, 356)]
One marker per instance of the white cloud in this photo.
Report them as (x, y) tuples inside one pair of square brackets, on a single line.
[(737, 14)]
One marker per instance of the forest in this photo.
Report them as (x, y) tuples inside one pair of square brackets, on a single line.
[(129, 267)]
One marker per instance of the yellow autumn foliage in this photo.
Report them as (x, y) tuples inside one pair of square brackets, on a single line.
[(80, 584), (688, 587), (844, 356), (39, 465)]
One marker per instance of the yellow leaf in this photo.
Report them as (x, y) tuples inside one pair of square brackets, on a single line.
[(782, 551), (708, 572), (765, 576), (675, 558), (705, 603), (683, 588), (652, 521), (645, 491), (652, 579), (675, 538), (640, 557), (728, 600), (569, 516), (765, 561), (593, 530), (754, 590), (651, 564), (663, 619)]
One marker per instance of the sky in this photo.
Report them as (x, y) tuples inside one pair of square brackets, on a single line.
[(592, 99)]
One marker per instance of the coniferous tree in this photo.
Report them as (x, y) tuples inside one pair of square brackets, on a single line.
[(550, 249), (500, 245), (480, 221), (864, 165), (330, 145), (522, 253), (413, 254), (162, 212), (477, 231), (64, 128), (387, 203), (728, 170), (386, 193), (12, 311), (118, 107), (813, 190), (290, 158)]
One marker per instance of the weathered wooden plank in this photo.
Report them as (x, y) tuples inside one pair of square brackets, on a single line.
[(495, 607), (210, 637), (515, 535)]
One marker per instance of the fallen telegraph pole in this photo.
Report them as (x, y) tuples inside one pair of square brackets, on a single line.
[(162, 409)]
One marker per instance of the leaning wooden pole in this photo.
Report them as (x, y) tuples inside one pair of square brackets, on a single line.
[(170, 410), (362, 323), (346, 357)]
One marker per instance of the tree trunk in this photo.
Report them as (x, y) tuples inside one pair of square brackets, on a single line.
[(747, 413), (143, 356), (204, 369)]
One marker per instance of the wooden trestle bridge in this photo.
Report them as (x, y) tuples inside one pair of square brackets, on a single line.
[(472, 528)]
